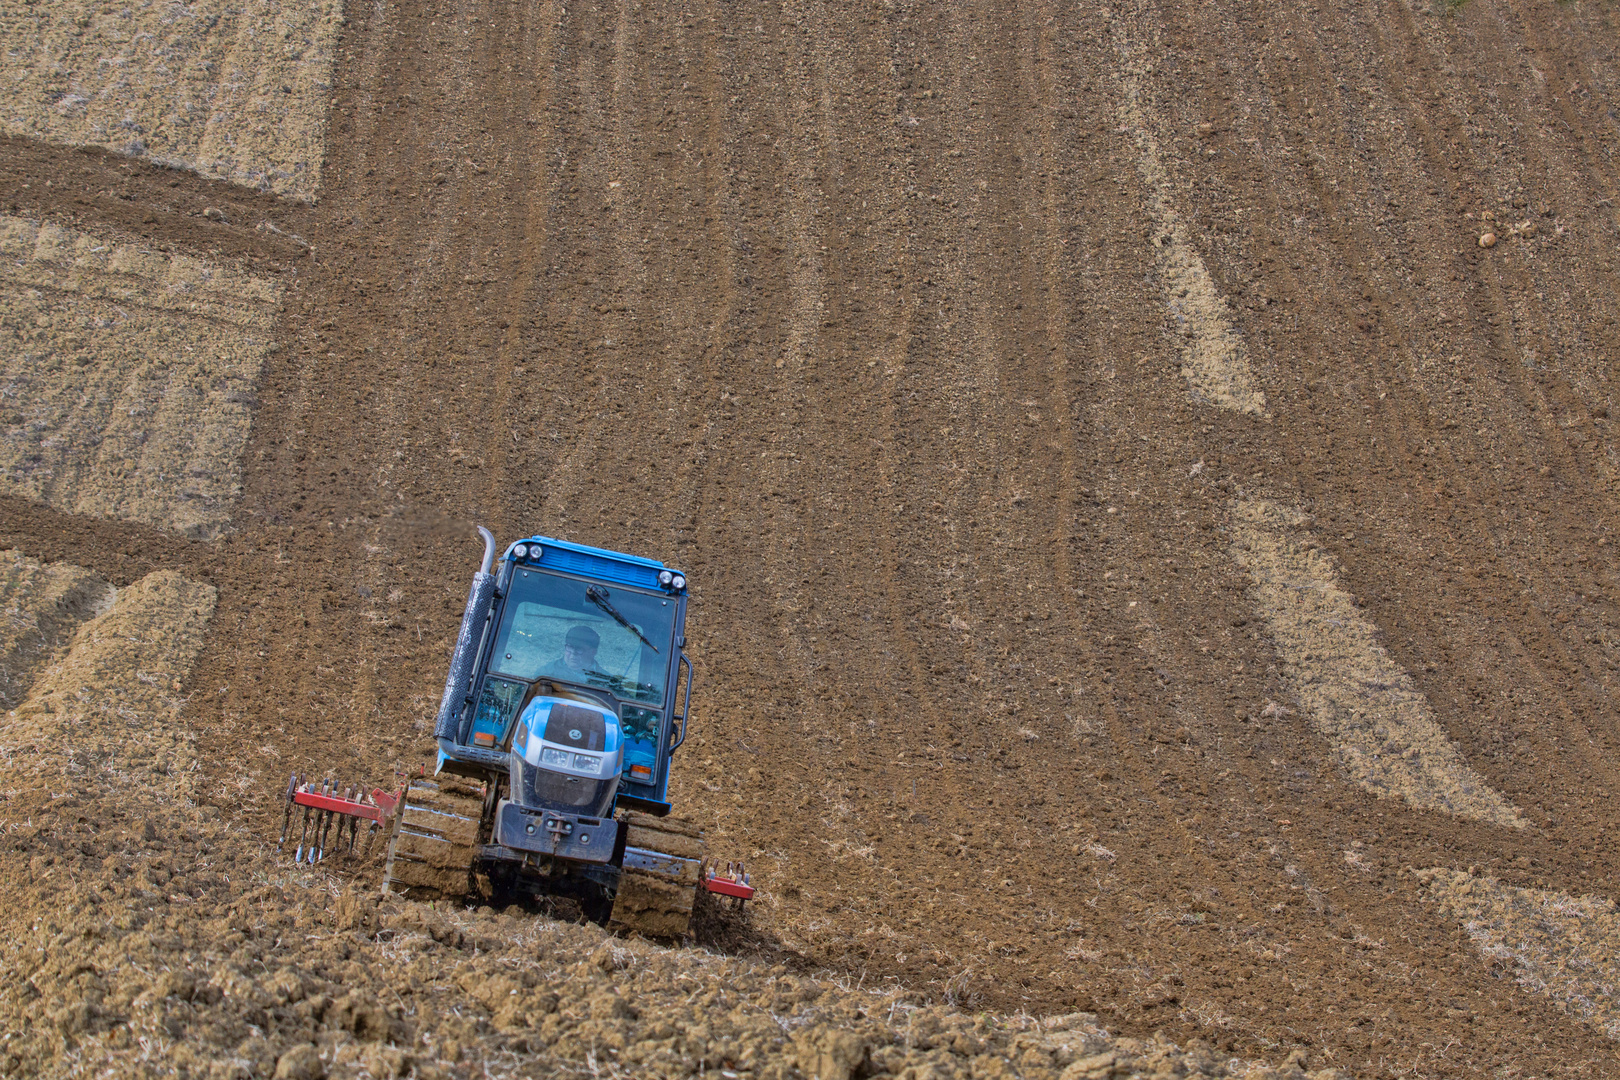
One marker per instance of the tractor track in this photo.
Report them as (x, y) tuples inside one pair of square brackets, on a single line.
[(857, 315)]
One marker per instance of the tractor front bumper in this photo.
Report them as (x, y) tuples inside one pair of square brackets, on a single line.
[(559, 835)]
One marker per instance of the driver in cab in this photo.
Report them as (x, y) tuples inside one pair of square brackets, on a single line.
[(578, 658)]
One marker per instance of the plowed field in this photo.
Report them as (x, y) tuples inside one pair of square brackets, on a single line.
[(1146, 473)]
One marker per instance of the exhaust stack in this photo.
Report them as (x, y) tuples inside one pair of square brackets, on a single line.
[(458, 684)]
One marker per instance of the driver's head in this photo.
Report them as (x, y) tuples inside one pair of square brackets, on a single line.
[(579, 647)]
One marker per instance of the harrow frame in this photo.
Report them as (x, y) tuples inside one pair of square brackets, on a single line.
[(330, 802)]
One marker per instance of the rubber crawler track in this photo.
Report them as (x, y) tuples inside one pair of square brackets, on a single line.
[(435, 839), (659, 904)]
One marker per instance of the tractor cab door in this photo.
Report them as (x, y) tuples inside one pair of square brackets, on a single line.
[(652, 734)]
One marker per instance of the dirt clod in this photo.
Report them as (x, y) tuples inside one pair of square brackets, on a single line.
[(300, 1063), (830, 1055)]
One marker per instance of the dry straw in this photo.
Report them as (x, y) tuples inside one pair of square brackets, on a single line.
[(41, 604), (106, 714), (1379, 723), (1557, 945), (233, 90), (126, 376)]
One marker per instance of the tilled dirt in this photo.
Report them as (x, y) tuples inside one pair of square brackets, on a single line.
[(184, 951), (941, 347)]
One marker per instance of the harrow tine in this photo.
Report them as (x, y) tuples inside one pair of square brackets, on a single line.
[(372, 829), (344, 821), (337, 821), (322, 824), (286, 816), (303, 836), (315, 826), (326, 833)]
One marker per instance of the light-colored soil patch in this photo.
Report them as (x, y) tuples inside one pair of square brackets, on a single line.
[(1559, 946), (40, 607), (1380, 724), (126, 376), (106, 714), (231, 89), (1215, 360)]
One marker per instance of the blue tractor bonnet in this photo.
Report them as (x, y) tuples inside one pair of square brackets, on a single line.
[(531, 743)]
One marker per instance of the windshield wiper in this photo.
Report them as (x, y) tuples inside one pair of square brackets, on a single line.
[(598, 596), (620, 685)]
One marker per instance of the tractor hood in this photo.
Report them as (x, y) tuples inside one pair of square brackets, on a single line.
[(566, 754), (569, 736)]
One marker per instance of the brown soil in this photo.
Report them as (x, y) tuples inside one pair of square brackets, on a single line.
[(941, 346)]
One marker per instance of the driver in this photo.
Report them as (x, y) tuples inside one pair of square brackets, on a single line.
[(578, 657)]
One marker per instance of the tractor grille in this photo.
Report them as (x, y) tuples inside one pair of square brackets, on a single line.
[(571, 725), (540, 788)]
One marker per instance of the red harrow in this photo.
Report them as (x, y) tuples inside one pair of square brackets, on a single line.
[(329, 803), (733, 882)]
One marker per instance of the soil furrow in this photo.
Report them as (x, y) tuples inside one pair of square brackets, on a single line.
[(858, 316)]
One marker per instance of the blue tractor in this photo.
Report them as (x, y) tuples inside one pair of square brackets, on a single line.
[(567, 697)]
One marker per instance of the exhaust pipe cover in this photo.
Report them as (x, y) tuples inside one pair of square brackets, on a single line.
[(458, 682)]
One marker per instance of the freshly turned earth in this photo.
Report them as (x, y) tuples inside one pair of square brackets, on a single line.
[(962, 356)]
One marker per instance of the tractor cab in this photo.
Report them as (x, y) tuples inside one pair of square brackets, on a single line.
[(577, 686)]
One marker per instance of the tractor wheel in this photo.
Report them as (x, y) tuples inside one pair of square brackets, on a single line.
[(435, 839), (658, 883)]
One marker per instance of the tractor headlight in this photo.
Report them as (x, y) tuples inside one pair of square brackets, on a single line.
[(665, 577), (678, 582), (585, 761), (548, 756), (521, 551)]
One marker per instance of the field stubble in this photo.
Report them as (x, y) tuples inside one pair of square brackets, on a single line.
[(1382, 729), (126, 376), (237, 91)]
